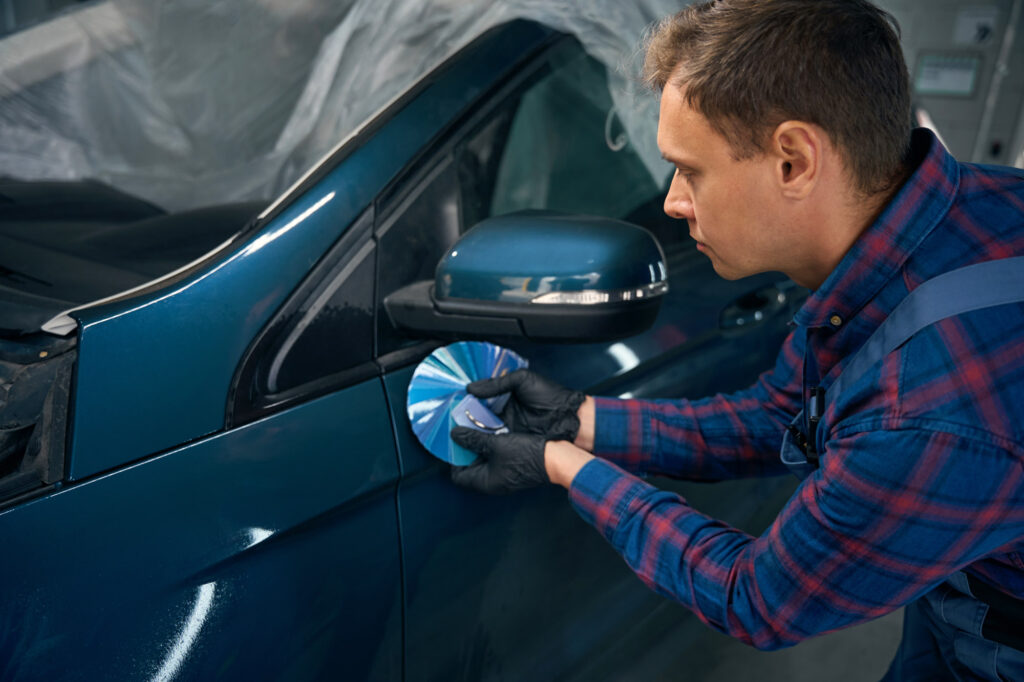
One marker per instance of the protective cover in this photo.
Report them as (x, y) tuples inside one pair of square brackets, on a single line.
[(199, 102)]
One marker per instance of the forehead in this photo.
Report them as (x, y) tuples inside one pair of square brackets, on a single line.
[(683, 131)]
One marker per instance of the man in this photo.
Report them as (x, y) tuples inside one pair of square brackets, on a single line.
[(788, 123)]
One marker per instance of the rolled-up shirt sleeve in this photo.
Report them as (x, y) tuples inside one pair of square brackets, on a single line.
[(888, 516), (717, 438)]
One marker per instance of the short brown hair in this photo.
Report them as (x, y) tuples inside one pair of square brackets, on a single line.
[(748, 65)]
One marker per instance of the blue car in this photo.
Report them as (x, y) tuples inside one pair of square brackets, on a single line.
[(206, 467)]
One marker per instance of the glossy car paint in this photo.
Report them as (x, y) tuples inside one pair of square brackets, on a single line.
[(321, 541), (187, 565), (526, 255), (160, 365)]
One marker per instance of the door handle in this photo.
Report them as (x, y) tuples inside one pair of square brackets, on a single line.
[(754, 307)]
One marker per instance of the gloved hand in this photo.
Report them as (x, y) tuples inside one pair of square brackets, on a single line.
[(537, 405), (507, 462)]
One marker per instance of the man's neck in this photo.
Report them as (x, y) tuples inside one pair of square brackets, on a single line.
[(840, 229)]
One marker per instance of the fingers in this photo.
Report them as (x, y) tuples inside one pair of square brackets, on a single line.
[(488, 388), (471, 439), (473, 476)]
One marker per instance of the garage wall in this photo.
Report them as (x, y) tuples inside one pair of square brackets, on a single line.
[(929, 27)]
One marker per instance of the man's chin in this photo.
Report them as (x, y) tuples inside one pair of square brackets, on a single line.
[(725, 272)]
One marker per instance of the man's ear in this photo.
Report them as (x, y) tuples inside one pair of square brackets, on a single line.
[(797, 149)]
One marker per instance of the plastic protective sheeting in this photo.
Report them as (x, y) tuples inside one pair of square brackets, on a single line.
[(198, 102)]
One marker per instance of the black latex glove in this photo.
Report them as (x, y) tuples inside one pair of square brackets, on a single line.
[(537, 405), (506, 463)]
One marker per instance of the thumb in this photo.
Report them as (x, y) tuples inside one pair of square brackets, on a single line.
[(488, 388), (471, 439)]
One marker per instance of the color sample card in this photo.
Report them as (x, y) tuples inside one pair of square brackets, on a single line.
[(439, 384)]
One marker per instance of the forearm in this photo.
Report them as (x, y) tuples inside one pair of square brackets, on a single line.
[(682, 554), (844, 550), (723, 437)]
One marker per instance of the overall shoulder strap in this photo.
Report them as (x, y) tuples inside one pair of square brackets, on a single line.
[(982, 285)]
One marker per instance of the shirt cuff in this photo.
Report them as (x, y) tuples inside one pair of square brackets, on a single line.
[(621, 433), (601, 493)]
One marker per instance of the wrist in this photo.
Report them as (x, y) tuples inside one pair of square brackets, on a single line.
[(586, 413), (563, 460)]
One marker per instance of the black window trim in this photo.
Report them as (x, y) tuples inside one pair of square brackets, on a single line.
[(321, 294), (248, 399)]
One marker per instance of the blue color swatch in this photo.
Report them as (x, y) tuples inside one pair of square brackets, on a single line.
[(439, 383)]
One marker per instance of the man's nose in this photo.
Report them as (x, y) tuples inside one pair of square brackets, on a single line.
[(679, 201)]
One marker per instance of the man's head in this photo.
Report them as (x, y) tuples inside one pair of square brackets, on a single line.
[(748, 65), (809, 92)]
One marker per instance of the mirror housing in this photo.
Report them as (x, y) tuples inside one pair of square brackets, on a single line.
[(539, 275)]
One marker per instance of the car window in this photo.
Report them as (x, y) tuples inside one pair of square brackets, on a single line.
[(559, 145), (418, 221), (321, 339), (332, 330)]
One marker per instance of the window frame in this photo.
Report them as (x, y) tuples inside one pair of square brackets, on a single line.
[(400, 196), (249, 398)]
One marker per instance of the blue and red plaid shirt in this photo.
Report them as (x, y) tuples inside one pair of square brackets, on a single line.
[(922, 472)]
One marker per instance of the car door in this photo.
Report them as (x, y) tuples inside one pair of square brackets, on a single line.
[(518, 587)]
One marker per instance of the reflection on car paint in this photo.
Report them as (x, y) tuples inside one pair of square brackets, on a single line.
[(624, 355), (270, 235), (258, 535), (189, 632)]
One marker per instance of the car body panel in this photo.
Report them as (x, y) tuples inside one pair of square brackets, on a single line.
[(473, 562), (290, 519)]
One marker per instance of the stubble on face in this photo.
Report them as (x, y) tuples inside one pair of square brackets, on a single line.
[(723, 199)]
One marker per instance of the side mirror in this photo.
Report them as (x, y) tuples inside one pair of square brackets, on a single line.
[(539, 275)]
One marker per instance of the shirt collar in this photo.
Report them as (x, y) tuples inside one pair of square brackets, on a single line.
[(885, 246)]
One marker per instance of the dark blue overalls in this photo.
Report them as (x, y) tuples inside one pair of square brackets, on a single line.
[(963, 629)]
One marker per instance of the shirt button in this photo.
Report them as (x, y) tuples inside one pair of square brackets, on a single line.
[(835, 321)]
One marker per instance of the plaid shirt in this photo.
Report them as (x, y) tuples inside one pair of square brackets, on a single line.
[(922, 472)]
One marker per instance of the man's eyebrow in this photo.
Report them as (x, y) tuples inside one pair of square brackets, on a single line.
[(676, 162)]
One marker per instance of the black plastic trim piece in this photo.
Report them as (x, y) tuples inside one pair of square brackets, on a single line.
[(403, 357), (568, 323), (414, 308), (265, 404), (248, 398), (33, 443), (35, 493)]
